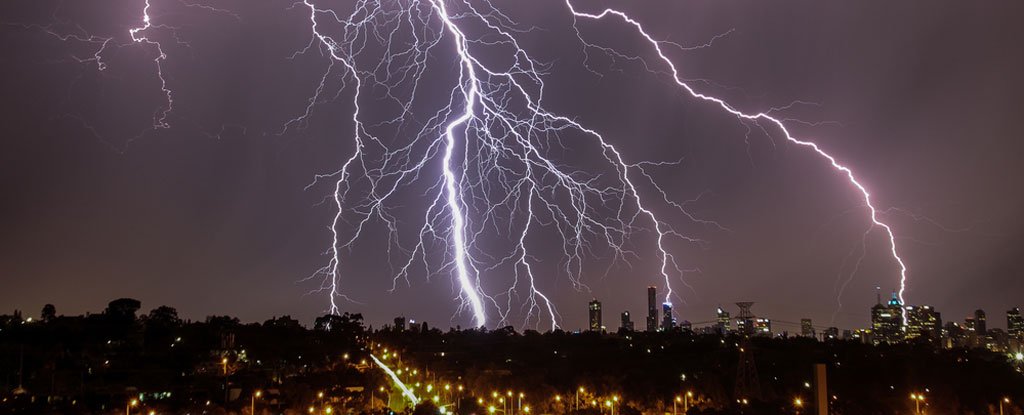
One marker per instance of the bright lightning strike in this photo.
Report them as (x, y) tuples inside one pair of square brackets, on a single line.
[(489, 156), (488, 163), (763, 116)]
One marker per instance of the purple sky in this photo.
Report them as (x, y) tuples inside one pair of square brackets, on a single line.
[(210, 215)]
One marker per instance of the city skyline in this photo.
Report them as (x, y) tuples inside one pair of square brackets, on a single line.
[(222, 202)]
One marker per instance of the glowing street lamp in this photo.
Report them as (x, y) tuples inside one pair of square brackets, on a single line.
[(798, 403), (1001, 402), (252, 408), (128, 407), (917, 398)]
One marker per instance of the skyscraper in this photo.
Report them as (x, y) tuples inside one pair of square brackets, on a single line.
[(627, 323), (724, 324), (980, 327), (924, 322), (1015, 324), (668, 321), (595, 315), (806, 328), (745, 319), (887, 321), (652, 309)]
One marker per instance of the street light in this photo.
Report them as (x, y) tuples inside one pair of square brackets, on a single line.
[(252, 408), (1001, 402), (798, 404), (580, 389), (917, 398), (128, 407), (674, 402), (686, 401)]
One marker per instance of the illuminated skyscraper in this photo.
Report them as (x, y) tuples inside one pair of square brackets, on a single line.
[(668, 321), (925, 322), (724, 324), (806, 328), (595, 315), (831, 333), (1015, 324), (627, 323), (980, 327), (762, 326), (652, 309), (887, 321), (745, 319)]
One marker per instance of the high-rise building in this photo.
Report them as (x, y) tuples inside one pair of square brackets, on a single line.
[(923, 322), (887, 321), (806, 328), (652, 308), (595, 315), (831, 333), (980, 327), (762, 326), (627, 323), (400, 323), (745, 319), (668, 321), (724, 324), (1015, 324)]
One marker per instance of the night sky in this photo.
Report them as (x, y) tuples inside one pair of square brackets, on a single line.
[(922, 99)]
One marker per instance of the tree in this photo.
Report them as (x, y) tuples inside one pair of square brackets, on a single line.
[(49, 313), (350, 324), (164, 316), (123, 309)]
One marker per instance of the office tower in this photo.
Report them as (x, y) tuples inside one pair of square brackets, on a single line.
[(806, 328), (762, 326), (652, 309), (400, 323), (668, 321), (745, 319), (923, 322), (724, 324), (831, 333), (595, 315), (627, 323), (980, 327), (887, 321), (1015, 324)]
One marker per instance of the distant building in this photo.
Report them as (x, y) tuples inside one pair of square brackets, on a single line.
[(686, 326), (745, 319), (627, 323), (595, 315), (400, 323), (831, 333), (806, 328), (980, 326), (955, 335), (1015, 324), (887, 321), (652, 309), (724, 325), (763, 326), (668, 321), (923, 322)]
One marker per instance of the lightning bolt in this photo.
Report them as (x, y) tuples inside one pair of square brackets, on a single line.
[(490, 162), (139, 36), (494, 146), (766, 117)]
